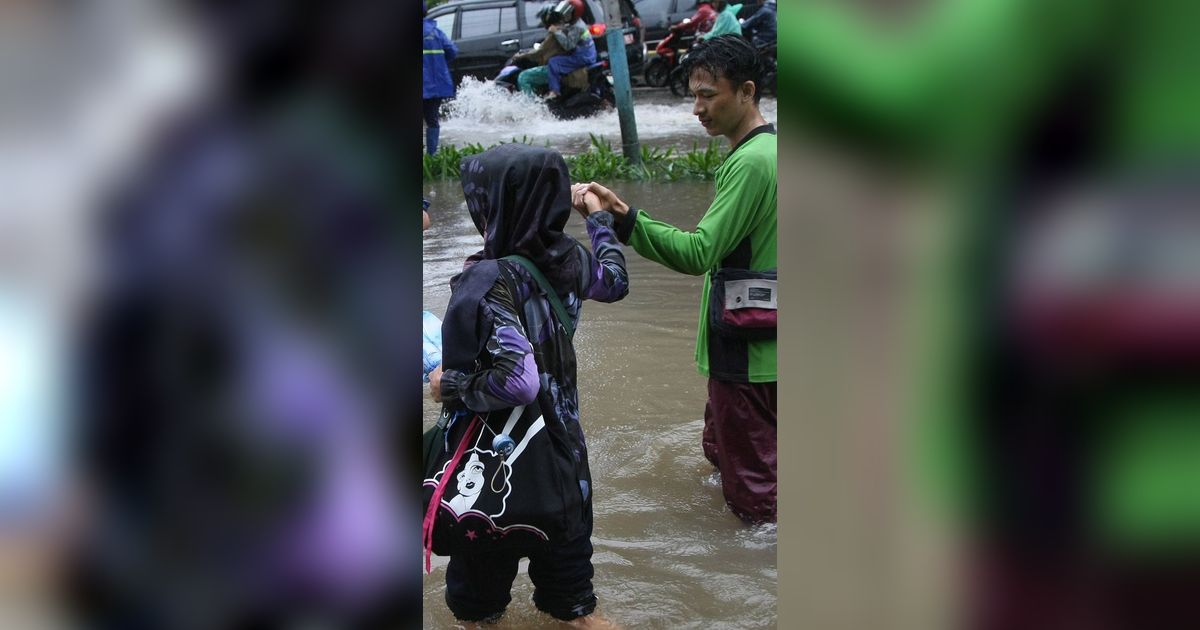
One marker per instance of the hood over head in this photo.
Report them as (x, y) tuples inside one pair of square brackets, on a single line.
[(519, 199)]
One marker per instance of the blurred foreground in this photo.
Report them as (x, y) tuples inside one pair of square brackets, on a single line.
[(208, 239), (996, 213)]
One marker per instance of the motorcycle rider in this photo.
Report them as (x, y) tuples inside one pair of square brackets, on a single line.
[(760, 27), (530, 79), (701, 22), (572, 34), (726, 22), (536, 74)]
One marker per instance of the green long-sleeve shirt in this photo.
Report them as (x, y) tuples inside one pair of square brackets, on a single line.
[(744, 209)]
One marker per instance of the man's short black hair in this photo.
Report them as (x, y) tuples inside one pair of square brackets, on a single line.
[(728, 56)]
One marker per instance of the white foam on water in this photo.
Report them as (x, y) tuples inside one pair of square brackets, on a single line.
[(485, 113), (483, 106), (713, 480), (762, 536)]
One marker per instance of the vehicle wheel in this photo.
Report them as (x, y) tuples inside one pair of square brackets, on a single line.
[(678, 83), (657, 72), (769, 83), (609, 97), (769, 74)]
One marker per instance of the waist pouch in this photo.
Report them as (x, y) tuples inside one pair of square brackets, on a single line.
[(743, 304), (1112, 279)]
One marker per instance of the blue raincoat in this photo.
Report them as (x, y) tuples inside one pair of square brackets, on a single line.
[(439, 51)]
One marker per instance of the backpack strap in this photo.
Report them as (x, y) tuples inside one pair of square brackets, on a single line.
[(555, 303)]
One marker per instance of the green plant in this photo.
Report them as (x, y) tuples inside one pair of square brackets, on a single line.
[(601, 162), (445, 163)]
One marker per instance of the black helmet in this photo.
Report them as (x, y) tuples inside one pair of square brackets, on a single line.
[(565, 11), (546, 15)]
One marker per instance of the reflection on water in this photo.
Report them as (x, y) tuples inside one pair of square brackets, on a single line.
[(485, 114), (668, 554)]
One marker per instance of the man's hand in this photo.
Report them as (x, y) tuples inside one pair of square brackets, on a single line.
[(435, 384), (608, 199)]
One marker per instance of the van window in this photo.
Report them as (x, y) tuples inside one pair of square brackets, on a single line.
[(685, 5), (477, 22), (508, 19), (531, 11), (445, 23)]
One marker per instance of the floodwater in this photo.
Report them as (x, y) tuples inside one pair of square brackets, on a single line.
[(668, 553), (485, 114)]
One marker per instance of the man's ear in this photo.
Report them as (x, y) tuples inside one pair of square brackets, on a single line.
[(746, 91)]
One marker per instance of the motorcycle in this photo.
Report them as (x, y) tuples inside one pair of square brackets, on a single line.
[(573, 103), (678, 81), (770, 68), (667, 54)]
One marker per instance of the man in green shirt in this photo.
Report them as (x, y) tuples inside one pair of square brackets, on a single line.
[(737, 231)]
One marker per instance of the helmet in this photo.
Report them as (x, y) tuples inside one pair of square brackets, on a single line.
[(568, 10), (546, 15)]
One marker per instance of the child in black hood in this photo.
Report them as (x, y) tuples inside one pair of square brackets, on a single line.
[(503, 350)]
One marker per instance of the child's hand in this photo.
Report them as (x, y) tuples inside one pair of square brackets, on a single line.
[(577, 199), (591, 203), (584, 201)]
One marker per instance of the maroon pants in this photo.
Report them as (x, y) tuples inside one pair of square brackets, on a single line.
[(739, 439)]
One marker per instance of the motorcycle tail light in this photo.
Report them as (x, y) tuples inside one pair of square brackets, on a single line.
[(597, 29)]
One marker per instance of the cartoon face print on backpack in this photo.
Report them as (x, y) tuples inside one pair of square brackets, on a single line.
[(481, 485), (470, 484)]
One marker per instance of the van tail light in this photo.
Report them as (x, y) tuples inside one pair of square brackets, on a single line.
[(597, 29)]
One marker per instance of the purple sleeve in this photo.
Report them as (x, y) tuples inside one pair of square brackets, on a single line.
[(512, 378), (605, 278)]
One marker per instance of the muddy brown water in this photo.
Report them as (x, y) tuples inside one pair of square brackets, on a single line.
[(668, 554)]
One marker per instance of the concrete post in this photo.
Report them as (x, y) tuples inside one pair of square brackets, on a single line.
[(619, 65)]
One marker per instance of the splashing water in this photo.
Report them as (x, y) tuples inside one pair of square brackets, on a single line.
[(486, 114), (483, 105), (761, 536)]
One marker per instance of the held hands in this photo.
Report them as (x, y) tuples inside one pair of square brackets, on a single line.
[(583, 201), (592, 197)]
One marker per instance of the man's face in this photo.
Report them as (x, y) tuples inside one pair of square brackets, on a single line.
[(719, 106)]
